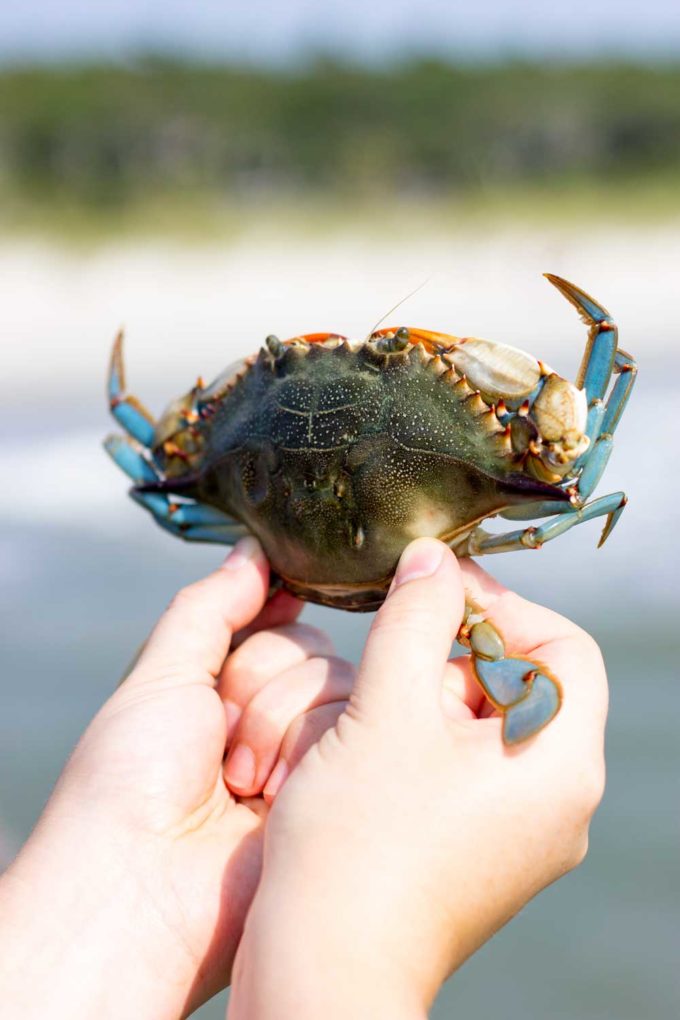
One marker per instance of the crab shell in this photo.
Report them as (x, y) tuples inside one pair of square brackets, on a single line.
[(337, 453)]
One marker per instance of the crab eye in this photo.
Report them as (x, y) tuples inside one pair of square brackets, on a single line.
[(395, 342), (274, 346)]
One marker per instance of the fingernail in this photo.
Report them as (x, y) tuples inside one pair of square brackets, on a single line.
[(240, 770), (233, 713), (420, 559), (276, 780), (245, 551)]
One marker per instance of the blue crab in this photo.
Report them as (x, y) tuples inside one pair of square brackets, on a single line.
[(336, 453)]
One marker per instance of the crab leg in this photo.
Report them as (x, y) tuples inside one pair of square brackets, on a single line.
[(542, 508), (128, 411), (130, 460), (626, 368), (594, 465), (480, 543), (603, 418), (595, 459), (596, 413), (196, 522), (610, 506), (190, 520), (524, 692)]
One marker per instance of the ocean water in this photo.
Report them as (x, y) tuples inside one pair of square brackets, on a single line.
[(85, 574)]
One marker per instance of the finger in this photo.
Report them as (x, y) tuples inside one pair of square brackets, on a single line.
[(191, 640), (462, 697), (263, 656), (266, 718), (303, 732), (280, 609), (523, 625), (412, 633)]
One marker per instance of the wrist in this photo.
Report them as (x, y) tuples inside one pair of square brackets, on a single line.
[(301, 962), (74, 941)]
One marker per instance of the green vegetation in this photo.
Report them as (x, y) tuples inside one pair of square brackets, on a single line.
[(171, 146)]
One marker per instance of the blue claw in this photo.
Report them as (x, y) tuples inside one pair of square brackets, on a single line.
[(128, 411), (598, 363), (195, 521), (598, 360), (522, 691), (534, 711), (591, 310), (503, 679), (130, 460)]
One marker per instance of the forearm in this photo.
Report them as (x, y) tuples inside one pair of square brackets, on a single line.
[(67, 945)]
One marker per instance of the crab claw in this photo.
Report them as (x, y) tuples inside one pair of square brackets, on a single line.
[(128, 411), (533, 712), (597, 363), (589, 309), (523, 691)]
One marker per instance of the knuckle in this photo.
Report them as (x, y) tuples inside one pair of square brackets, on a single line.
[(259, 724), (313, 637), (588, 790), (579, 851), (594, 790), (340, 677), (322, 678), (194, 600), (308, 728), (590, 649), (338, 666), (306, 639), (185, 598), (301, 734)]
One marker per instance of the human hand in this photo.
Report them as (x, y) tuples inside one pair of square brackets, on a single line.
[(409, 834), (130, 896)]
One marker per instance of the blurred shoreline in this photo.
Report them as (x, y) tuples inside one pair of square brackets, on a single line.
[(192, 309), (208, 218)]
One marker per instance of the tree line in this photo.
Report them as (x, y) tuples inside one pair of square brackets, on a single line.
[(111, 134)]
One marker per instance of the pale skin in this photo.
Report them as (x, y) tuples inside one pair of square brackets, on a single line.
[(408, 834), (402, 834), (129, 897)]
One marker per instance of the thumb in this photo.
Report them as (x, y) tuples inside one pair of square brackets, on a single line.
[(411, 637), (192, 638)]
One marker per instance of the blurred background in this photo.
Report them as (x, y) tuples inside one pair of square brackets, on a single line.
[(208, 173)]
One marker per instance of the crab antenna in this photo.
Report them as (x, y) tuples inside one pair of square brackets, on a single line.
[(398, 305)]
